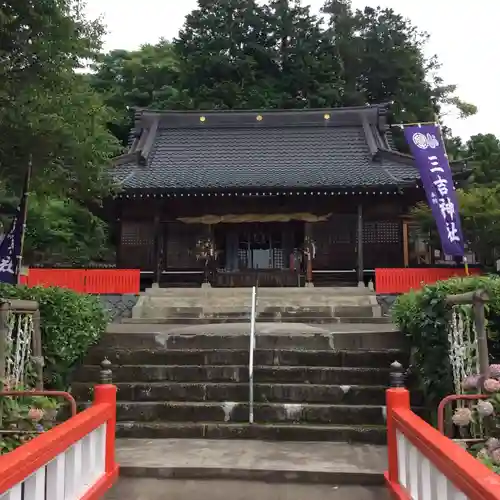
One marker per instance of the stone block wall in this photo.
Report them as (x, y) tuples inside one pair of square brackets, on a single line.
[(119, 306), (386, 301)]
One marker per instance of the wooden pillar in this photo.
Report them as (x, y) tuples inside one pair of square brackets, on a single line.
[(406, 258), (308, 254), (360, 264), (118, 231), (157, 249)]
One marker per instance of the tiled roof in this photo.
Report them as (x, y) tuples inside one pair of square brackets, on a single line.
[(173, 154)]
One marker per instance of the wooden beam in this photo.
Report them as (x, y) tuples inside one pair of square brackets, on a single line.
[(157, 244), (360, 263), (406, 256)]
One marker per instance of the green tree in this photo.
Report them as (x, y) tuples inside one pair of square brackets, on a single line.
[(48, 112), (480, 216), (238, 54), (484, 153), (382, 59), (144, 78)]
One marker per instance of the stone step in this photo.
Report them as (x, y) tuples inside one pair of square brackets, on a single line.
[(238, 373), (205, 357), (213, 484), (308, 339), (262, 292), (367, 434), (272, 462), (245, 318), (232, 307), (221, 392), (182, 411)]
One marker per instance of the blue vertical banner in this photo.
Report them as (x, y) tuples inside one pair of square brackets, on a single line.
[(11, 246), (427, 147)]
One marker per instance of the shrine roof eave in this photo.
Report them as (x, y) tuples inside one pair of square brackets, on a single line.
[(379, 190)]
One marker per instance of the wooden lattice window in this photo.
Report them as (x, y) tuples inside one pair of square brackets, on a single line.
[(181, 245), (137, 245), (137, 234), (385, 232)]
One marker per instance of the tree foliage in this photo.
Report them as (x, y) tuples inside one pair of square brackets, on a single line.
[(246, 54), (478, 199), (147, 77), (48, 112)]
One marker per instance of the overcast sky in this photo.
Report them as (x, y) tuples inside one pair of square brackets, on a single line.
[(464, 34)]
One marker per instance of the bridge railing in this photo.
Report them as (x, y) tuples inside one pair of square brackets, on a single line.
[(425, 465), (74, 460)]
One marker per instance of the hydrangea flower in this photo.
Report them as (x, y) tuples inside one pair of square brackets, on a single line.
[(495, 456), (471, 382), (462, 417), (35, 414), (485, 408), (491, 385), (495, 371), (492, 444)]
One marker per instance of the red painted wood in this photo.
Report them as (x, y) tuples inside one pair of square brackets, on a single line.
[(98, 281), (402, 280), (19, 464), (468, 474)]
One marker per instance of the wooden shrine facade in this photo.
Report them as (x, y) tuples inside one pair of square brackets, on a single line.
[(282, 196), (263, 238)]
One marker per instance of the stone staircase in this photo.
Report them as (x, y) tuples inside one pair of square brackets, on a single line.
[(222, 305), (322, 382)]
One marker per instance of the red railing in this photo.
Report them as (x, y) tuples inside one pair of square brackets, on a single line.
[(75, 459), (102, 281), (424, 464), (402, 280)]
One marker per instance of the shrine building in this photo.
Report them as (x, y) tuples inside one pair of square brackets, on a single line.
[(276, 197)]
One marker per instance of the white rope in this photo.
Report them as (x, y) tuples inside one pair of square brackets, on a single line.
[(18, 355)]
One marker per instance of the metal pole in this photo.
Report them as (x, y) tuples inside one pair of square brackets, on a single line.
[(23, 218), (251, 353)]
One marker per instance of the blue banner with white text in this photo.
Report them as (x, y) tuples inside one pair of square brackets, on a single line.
[(426, 144)]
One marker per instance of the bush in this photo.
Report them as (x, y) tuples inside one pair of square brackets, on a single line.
[(423, 317), (71, 322), (25, 417)]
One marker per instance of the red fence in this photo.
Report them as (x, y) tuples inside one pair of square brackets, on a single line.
[(425, 465), (402, 280), (116, 281), (75, 459)]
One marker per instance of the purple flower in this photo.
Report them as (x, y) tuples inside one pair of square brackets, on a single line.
[(485, 408), (39, 428), (492, 444), (495, 456), (471, 382), (495, 371), (491, 385), (462, 417)]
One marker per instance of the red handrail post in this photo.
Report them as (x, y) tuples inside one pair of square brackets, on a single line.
[(396, 397), (106, 394)]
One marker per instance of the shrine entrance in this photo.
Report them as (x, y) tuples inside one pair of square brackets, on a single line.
[(264, 253)]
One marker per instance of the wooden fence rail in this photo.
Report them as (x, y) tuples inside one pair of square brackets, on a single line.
[(424, 464), (402, 280)]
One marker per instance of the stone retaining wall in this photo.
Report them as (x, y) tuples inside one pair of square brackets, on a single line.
[(119, 306)]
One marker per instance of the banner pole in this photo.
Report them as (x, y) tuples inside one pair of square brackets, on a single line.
[(466, 266), (24, 215)]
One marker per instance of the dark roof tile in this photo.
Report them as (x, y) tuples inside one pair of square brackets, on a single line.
[(254, 157)]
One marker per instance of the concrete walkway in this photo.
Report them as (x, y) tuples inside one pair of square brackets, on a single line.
[(305, 462)]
